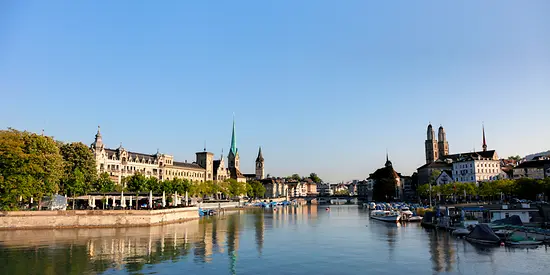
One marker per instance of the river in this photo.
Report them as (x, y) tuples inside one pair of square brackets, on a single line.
[(291, 240)]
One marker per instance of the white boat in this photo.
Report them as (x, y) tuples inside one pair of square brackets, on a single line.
[(408, 215), (385, 216), (338, 201)]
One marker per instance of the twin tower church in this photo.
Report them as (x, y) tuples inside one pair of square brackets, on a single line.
[(120, 163)]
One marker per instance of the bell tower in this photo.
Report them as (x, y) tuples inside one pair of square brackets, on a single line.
[(442, 144), (233, 157), (431, 145), (260, 165)]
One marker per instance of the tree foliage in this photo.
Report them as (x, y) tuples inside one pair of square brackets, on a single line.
[(30, 166), (315, 178), (104, 183), (77, 156), (255, 189)]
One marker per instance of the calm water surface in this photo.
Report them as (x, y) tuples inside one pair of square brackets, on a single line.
[(292, 240)]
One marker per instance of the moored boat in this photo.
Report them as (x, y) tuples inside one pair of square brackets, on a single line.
[(385, 216), (483, 234)]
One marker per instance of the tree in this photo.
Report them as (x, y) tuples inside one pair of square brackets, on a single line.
[(236, 188), (137, 183), (76, 155), (423, 190), (30, 165), (76, 185), (104, 184), (255, 189), (296, 177), (515, 158), (315, 178)]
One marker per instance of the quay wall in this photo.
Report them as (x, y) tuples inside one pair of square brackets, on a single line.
[(93, 218)]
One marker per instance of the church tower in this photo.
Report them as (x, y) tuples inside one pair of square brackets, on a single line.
[(233, 157), (97, 146), (442, 143), (260, 165), (431, 145), (484, 146)]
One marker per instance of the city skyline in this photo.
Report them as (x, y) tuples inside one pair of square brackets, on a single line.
[(321, 88)]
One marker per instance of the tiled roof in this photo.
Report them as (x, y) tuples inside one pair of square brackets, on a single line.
[(533, 164), (436, 164), (187, 165), (490, 154)]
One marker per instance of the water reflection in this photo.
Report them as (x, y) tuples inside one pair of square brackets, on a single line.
[(78, 251), (441, 250), (316, 240)]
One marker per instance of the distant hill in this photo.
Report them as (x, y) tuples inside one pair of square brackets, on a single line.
[(530, 157)]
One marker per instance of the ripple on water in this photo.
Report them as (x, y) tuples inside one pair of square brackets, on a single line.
[(290, 241)]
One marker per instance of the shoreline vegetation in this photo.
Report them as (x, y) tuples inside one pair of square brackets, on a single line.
[(34, 166)]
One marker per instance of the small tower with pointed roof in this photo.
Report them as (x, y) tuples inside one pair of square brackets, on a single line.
[(233, 157), (431, 145), (484, 146), (98, 142), (260, 165), (442, 144)]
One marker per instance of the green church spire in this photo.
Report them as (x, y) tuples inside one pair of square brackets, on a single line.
[(233, 148)]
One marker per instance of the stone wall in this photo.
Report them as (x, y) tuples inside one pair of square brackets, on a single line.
[(93, 218)]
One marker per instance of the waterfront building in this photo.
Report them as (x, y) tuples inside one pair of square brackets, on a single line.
[(387, 184), (121, 163), (324, 189), (535, 169), (274, 187), (466, 167), (444, 178)]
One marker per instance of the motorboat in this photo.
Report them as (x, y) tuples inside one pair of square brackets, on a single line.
[(385, 215), (408, 215), (461, 232), (483, 234), (338, 201), (524, 243)]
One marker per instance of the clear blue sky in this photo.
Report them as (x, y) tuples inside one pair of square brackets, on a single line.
[(322, 86)]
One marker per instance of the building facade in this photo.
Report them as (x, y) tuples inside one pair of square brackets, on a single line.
[(120, 163), (535, 169)]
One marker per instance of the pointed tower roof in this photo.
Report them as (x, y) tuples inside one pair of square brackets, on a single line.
[(260, 157), (484, 146), (233, 148), (388, 162)]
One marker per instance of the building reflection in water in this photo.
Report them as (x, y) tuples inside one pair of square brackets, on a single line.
[(442, 252), (98, 250)]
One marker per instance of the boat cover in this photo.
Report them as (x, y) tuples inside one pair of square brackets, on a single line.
[(483, 232), (512, 220)]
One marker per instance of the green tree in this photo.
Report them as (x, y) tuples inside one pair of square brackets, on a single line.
[(76, 155), (296, 177), (515, 158), (30, 166), (315, 178), (423, 190), (104, 184), (137, 183), (255, 189), (236, 188), (76, 185)]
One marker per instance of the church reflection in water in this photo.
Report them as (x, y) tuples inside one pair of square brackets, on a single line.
[(126, 248), (442, 251)]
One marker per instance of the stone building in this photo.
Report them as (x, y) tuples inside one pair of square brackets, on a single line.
[(535, 169), (387, 183), (121, 163), (465, 167)]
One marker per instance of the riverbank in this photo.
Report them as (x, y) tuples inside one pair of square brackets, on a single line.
[(16, 220)]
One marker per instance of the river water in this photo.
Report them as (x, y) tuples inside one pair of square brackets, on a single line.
[(291, 240)]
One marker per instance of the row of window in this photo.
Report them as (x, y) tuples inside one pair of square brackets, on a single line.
[(477, 165), (479, 171), (471, 178)]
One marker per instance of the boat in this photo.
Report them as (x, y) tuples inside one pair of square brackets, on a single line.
[(428, 221), (338, 201), (408, 215), (385, 216), (415, 219), (523, 243), (460, 232), (483, 234)]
